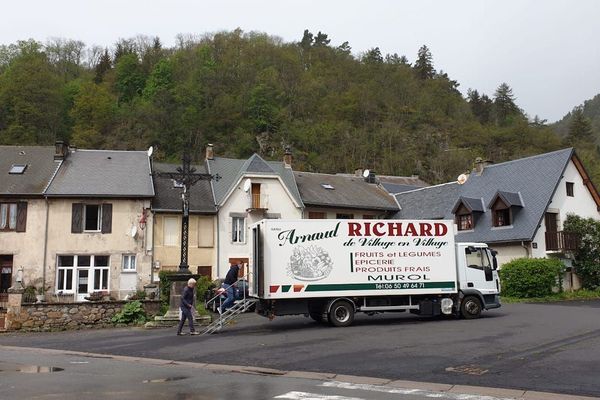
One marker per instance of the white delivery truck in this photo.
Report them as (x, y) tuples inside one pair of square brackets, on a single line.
[(332, 269)]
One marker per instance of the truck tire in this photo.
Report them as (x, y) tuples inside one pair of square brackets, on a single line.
[(470, 307), (341, 313)]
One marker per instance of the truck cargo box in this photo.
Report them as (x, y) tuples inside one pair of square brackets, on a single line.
[(336, 258)]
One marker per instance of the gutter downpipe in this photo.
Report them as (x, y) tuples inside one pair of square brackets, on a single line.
[(152, 255), (527, 255), (218, 247), (45, 244)]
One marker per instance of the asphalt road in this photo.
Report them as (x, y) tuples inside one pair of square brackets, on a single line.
[(543, 347)]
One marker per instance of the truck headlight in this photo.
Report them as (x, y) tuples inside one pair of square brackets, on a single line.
[(447, 306)]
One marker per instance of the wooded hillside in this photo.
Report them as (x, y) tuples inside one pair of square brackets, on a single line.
[(251, 92)]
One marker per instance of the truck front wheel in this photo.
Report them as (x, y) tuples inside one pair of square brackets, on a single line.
[(470, 307), (341, 313)]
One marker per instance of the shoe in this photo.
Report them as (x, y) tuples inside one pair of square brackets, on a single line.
[(194, 333), (180, 334)]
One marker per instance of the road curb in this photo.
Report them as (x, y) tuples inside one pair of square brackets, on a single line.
[(321, 376)]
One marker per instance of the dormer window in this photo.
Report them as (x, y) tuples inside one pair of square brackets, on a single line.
[(17, 169), (504, 206), (466, 212)]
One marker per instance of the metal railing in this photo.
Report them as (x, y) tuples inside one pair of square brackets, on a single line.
[(561, 241), (238, 307)]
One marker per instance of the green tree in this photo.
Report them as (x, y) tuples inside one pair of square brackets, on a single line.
[(93, 112), (587, 255), (129, 77), (31, 100), (424, 64), (104, 65), (580, 128), (504, 105)]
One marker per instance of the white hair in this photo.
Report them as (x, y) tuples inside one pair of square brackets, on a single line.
[(191, 281)]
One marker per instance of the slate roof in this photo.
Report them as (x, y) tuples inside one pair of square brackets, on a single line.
[(103, 173), (232, 170), (529, 182), (349, 191), (168, 197), (474, 205), (36, 177)]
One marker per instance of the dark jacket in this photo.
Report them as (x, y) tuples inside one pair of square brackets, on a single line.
[(232, 275), (187, 297)]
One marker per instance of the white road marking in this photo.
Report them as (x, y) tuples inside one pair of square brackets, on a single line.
[(416, 392), (313, 396)]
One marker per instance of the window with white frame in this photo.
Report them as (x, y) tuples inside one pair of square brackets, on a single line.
[(8, 216), (171, 231), (94, 268), (237, 229), (128, 262), (92, 214)]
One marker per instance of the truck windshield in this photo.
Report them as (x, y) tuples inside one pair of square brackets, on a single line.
[(477, 257)]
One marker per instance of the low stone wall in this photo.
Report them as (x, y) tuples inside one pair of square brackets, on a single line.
[(63, 316)]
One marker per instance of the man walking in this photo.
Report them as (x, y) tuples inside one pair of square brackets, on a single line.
[(229, 285), (187, 302)]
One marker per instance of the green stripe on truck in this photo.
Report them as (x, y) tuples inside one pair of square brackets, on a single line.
[(380, 286)]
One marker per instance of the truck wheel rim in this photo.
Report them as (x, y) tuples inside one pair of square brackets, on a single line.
[(341, 314), (472, 307)]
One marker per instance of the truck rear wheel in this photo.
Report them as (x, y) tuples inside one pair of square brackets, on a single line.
[(341, 313), (470, 307)]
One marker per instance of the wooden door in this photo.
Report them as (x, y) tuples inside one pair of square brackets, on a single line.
[(551, 222), (256, 195)]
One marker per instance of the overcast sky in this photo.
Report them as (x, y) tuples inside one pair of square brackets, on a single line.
[(546, 50)]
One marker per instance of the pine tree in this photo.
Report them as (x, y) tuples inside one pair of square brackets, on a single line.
[(373, 56), (580, 128), (321, 40), (504, 104), (104, 65), (424, 64)]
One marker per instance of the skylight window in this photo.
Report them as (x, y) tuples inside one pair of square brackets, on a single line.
[(327, 186), (177, 184), (17, 168)]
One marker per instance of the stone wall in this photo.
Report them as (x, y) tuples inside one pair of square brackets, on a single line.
[(63, 316)]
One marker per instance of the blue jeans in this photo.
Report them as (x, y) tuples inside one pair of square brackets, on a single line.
[(186, 313), (230, 290)]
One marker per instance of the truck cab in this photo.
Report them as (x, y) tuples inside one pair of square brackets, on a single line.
[(477, 278)]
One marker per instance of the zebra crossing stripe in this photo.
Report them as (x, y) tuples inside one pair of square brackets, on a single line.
[(416, 392), (313, 396)]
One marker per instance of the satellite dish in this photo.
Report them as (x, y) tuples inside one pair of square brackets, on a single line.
[(133, 232), (462, 178), (150, 151), (366, 173), (247, 185)]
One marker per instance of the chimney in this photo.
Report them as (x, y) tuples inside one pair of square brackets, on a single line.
[(287, 157), (358, 172), (480, 165), (61, 150), (210, 153)]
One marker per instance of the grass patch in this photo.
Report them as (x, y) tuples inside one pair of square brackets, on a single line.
[(582, 294)]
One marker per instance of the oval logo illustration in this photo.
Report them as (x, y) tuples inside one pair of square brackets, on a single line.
[(310, 263)]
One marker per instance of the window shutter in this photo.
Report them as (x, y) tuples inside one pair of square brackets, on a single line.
[(106, 218), (21, 216), (77, 218)]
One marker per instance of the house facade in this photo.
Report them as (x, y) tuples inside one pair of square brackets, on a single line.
[(246, 192), (98, 214), (167, 209), (25, 173), (517, 207)]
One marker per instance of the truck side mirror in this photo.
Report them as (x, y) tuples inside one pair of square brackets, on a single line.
[(494, 262)]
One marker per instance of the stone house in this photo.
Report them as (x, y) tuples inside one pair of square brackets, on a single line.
[(98, 213), (25, 173)]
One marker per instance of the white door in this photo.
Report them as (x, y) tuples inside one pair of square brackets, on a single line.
[(480, 274), (83, 283)]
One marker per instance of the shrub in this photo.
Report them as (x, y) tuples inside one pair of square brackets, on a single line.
[(203, 284), (531, 277), (132, 312), (587, 255)]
